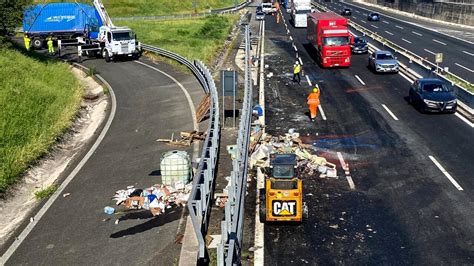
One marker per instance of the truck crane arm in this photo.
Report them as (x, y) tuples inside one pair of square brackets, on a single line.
[(106, 20)]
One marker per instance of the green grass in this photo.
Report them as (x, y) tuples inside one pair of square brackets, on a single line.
[(38, 100), (46, 192), (198, 38), (126, 8)]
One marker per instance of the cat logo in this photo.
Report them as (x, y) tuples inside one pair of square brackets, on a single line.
[(284, 208)]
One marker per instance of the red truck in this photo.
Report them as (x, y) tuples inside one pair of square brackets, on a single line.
[(328, 33)]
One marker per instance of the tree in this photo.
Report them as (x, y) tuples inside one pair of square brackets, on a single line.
[(11, 12)]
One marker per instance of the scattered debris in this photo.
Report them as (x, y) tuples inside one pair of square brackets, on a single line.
[(179, 239), (66, 194), (334, 226), (203, 108), (187, 138), (156, 198)]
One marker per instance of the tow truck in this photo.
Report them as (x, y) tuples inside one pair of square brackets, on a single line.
[(282, 198)]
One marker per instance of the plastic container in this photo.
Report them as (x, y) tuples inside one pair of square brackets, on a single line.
[(109, 210), (175, 167)]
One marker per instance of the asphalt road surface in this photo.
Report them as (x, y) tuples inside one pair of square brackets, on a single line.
[(73, 231), (458, 54), (404, 209)]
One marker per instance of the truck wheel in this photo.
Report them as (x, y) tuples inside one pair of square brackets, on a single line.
[(263, 209), (37, 44), (106, 56)]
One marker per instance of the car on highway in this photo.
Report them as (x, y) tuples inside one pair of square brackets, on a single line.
[(373, 17), (259, 8), (260, 15), (360, 46), (268, 8), (346, 11), (432, 95), (383, 61)]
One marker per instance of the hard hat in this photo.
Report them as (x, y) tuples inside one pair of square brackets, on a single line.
[(315, 89), (297, 62)]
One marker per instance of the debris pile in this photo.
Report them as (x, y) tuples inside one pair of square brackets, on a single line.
[(156, 198), (308, 163), (186, 138)]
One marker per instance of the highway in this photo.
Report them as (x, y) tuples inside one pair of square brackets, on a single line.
[(458, 54), (75, 229), (412, 202)]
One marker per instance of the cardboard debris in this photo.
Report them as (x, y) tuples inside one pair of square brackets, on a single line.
[(156, 198), (262, 145), (187, 138)]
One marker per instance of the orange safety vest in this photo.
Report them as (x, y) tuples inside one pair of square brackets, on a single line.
[(313, 98)]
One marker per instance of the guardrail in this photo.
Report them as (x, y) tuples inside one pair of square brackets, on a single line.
[(465, 97), (199, 202), (189, 15), (229, 249)]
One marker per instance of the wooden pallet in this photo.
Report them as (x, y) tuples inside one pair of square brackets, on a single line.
[(203, 108)]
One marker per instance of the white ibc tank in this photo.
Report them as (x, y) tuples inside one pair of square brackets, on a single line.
[(175, 167)]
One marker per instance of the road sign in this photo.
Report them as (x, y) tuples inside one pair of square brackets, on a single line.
[(439, 58)]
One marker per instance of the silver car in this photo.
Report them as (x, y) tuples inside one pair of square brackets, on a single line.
[(383, 61), (259, 15)]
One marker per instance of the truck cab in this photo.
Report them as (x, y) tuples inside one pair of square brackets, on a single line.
[(282, 198), (118, 41)]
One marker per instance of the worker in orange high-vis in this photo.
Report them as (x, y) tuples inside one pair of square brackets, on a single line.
[(313, 102)]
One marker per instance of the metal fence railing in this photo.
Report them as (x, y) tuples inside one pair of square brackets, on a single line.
[(199, 202), (229, 250)]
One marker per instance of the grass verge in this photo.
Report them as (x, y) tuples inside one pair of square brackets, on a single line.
[(198, 38), (38, 100), (128, 8)]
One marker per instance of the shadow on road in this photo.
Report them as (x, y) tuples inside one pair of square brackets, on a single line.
[(156, 221)]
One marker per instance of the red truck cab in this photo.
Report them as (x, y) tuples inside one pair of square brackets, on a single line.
[(329, 34)]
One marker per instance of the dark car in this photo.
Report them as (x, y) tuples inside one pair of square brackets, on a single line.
[(360, 46), (259, 9), (346, 12), (373, 17), (432, 95)]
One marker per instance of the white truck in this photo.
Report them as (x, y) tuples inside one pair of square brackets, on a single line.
[(299, 12), (112, 42)]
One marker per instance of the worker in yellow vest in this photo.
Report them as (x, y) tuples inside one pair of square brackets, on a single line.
[(50, 45), (296, 72), (27, 41)]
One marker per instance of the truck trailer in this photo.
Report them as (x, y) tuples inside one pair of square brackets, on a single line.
[(299, 12), (89, 28), (329, 34)]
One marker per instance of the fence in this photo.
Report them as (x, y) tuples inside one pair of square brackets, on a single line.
[(229, 250)]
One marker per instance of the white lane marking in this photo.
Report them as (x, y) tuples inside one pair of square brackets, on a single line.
[(468, 69), (374, 26), (301, 61), (433, 53), (360, 80), (357, 11), (386, 22), (419, 34), (351, 182), (441, 168), (190, 103), (259, 242), (390, 112), (321, 110), (24, 234), (363, 21), (406, 40), (389, 32), (309, 81), (466, 52), (405, 77), (400, 27), (341, 160), (291, 38), (464, 119), (365, 14), (440, 42)]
